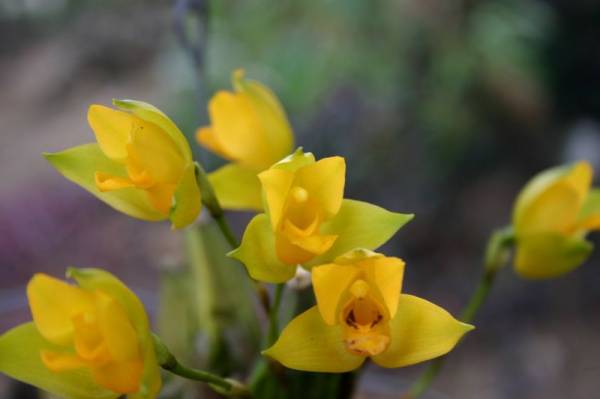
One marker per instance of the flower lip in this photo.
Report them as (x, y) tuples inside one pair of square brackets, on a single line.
[(364, 322)]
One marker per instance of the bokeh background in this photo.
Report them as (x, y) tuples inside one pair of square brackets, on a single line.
[(443, 108)]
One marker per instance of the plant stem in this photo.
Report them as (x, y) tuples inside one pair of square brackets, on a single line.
[(274, 315), (224, 386), (481, 293), (496, 255), (211, 202), (226, 230)]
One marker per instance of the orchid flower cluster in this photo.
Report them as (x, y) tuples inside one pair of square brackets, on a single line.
[(93, 339)]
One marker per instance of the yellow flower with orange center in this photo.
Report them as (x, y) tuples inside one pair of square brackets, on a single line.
[(362, 313), (307, 221), (141, 165), (86, 341)]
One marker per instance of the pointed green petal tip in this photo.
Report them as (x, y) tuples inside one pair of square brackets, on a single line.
[(234, 253)]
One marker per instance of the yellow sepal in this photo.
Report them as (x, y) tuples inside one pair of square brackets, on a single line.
[(237, 187), (257, 253), (187, 199), (548, 255), (79, 165), (21, 347), (420, 331), (308, 344)]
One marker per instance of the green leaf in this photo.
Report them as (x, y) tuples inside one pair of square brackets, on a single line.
[(257, 253), (223, 299), (176, 319), (79, 165), (187, 199), (237, 187), (20, 359), (548, 255), (97, 279), (150, 113), (359, 225)]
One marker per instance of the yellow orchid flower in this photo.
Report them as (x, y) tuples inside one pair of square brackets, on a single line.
[(86, 341), (142, 164), (249, 128), (551, 218), (362, 313), (307, 219)]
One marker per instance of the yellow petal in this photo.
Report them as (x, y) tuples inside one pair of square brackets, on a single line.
[(549, 200), (386, 273), (308, 344), (58, 362), (88, 340), (324, 180), (237, 187), (590, 223), (303, 218), (548, 255), (279, 139), (276, 185), (257, 253), (96, 279), (152, 150), (330, 282), (119, 335), (316, 244), (420, 331), (187, 199), (107, 182), (112, 129), (554, 210), (206, 138), (161, 197), (580, 178), (153, 115), (237, 129), (53, 304), (79, 164), (534, 187), (122, 377), (289, 253), (589, 216)]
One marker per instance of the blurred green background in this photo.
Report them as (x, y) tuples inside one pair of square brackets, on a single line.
[(443, 108)]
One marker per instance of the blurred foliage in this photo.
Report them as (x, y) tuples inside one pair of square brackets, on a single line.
[(441, 107)]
